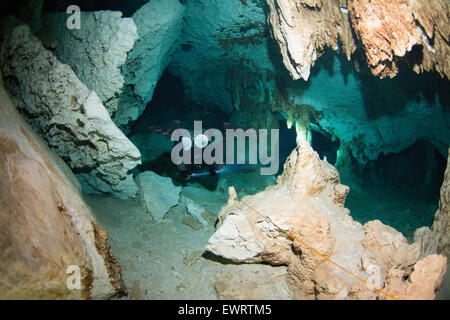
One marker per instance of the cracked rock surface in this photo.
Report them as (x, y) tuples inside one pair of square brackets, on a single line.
[(71, 117), (121, 59), (157, 194)]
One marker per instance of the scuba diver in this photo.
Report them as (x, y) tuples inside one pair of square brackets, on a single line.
[(200, 141)]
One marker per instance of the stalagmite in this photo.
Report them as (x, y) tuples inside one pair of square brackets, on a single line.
[(302, 222)]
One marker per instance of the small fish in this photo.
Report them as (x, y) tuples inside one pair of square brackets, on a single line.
[(165, 130)]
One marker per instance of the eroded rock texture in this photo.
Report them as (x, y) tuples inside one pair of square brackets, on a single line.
[(304, 28), (421, 283), (97, 51), (307, 202), (441, 224), (69, 115), (416, 31), (390, 29), (231, 62), (159, 24), (369, 115), (45, 225), (120, 58)]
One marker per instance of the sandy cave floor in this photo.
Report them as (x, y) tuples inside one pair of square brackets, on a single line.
[(167, 260), (157, 257)]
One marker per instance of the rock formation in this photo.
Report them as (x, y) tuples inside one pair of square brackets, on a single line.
[(244, 74), (121, 59), (369, 115), (199, 213), (97, 51), (428, 241), (421, 283), (159, 24), (69, 115), (157, 194), (230, 62), (302, 222), (441, 224), (389, 30), (45, 225), (304, 28)]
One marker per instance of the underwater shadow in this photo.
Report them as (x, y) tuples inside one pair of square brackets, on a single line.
[(208, 255), (163, 166)]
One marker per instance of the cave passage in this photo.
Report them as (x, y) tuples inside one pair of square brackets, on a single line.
[(324, 144), (170, 109), (106, 95), (400, 189)]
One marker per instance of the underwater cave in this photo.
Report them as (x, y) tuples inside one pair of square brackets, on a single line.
[(218, 149)]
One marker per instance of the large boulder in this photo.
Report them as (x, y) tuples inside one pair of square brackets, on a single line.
[(422, 283), (96, 51), (301, 222), (159, 24), (46, 229), (157, 194), (121, 59), (71, 117)]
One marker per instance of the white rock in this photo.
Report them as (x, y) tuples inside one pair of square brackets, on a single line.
[(122, 59), (235, 240), (97, 51), (157, 194), (159, 24), (71, 117)]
